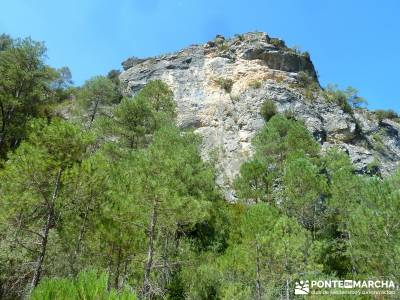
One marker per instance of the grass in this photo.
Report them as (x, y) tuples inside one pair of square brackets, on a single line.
[(255, 84), (224, 83), (386, 114), (308, 85)]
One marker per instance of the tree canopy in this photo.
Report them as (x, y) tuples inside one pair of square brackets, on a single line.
[(104, 197)]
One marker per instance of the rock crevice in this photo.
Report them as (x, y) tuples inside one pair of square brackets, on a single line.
[(257, 68)]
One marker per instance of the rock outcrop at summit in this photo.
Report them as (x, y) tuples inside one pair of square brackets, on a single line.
[(219, 88)]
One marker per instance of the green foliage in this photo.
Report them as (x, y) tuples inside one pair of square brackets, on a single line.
[(240, 37), (280, 136), (304, 80), (353, 99), (379, 144), (280, 140), (268, 110), (309, 85), (159, 204), (87, 285), (269, 250), (297, 50), (222, 46), (277, 43), (27, 88), (255, 182), (32, 197), (224, 83), (386, 114), (132, 198), (160, 98), (6, 42), (113, 75), (255, 84), (134, 120), (303, 191), (347, 99), (94, 94)]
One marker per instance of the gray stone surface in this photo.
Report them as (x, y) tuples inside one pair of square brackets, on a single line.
[(228, 121)]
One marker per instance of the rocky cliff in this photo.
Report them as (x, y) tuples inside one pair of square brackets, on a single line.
[(219, 88)]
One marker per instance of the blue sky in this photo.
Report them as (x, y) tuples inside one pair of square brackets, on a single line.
[(352, 42)]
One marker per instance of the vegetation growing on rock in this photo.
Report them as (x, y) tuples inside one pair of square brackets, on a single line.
[(224, 83), (122, 205)]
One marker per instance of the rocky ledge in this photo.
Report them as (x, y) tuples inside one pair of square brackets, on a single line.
[(220, 86)]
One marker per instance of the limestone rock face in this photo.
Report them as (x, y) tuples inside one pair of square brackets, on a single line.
[(219, 88)]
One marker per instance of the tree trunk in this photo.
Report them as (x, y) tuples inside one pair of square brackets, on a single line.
[(165, 269), (3, 125), (96, 104), (42, 253), (110, 267), (45, 233), (150, 253), (118, 269), (77, 250), (287, 290), (353, 264), (258, 269)]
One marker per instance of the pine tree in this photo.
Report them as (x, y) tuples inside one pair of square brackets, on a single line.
[(94, 94), (135, 119), (26, 85), (153, 191), (269, 251), (31, 187), (304, 192)]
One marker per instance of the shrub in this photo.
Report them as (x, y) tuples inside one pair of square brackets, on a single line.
[(386, 114), (87, 285), (289, 114), (255, 84), (379, 144), (306, 54), (240, 37), (373, 167), (277, 43), (268, 110), (309, 85), (305, 80), (224, 83), (354, 99), (279, 78), (222, 46), (296, 49), (333, 94)]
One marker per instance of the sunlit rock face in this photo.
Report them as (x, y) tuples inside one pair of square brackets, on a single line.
[(219, 88)]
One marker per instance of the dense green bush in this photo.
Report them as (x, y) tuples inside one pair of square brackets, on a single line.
[(268, 110), (132, 198), (29, 88), (87, 285)]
